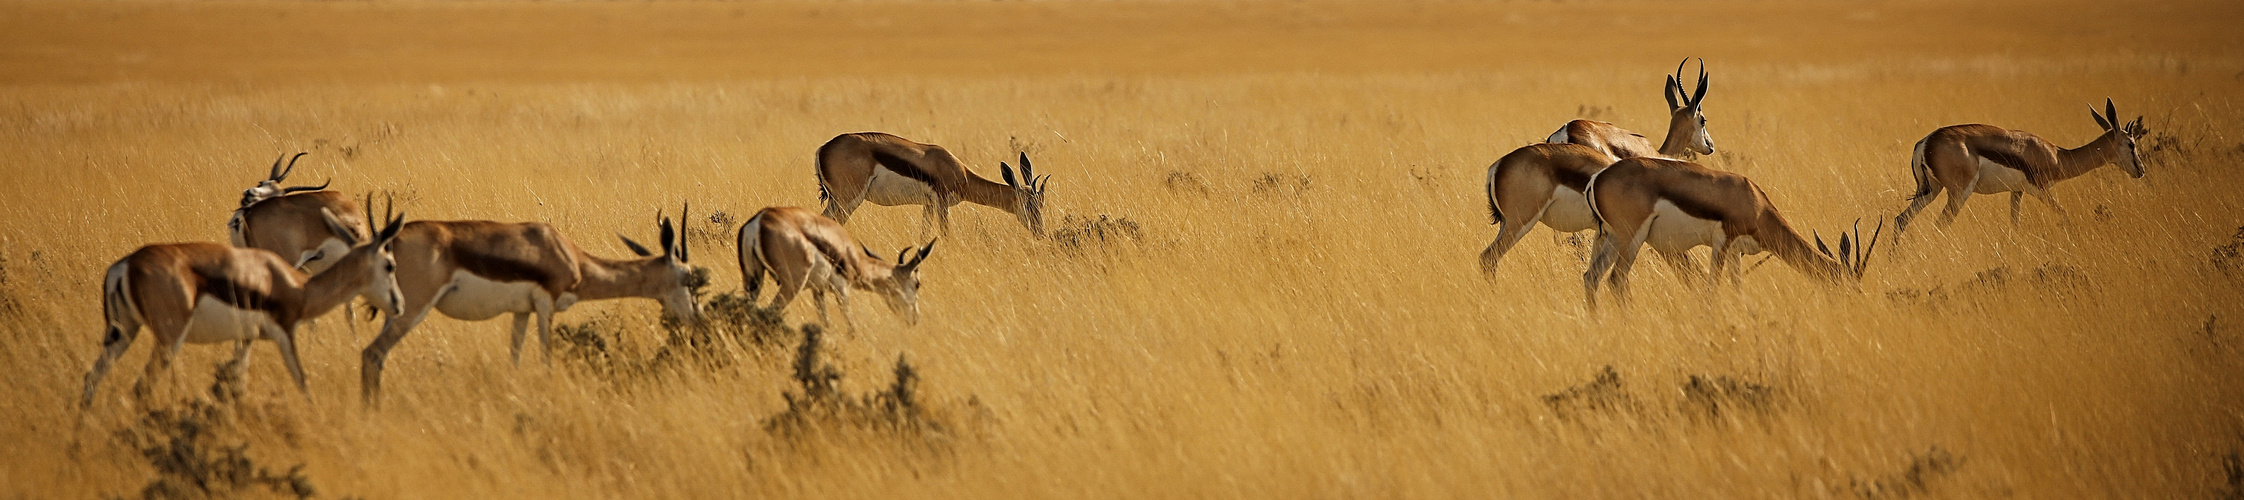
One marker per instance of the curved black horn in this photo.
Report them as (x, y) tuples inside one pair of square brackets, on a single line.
[(683, 222), (299, 189), (273, 174), (1700, 94), (291, 166), (901, 253), (923, 251)]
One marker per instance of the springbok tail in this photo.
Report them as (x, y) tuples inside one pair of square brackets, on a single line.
[(116, 306), (1920, 170), (751, 256), (1495, 215)]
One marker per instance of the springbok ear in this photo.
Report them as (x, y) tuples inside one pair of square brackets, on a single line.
[(2100, 121), (634, 246), (2111, 113), (336, 226), (868, 251), (389, 231), (1027, 171), (669, 236), (1008, 171), (1846, 250), (1819, 243), (1672, 90)]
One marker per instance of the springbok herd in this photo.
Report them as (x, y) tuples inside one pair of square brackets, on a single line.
[(301, 252)]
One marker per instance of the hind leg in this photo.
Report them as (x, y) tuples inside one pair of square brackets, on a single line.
[(114, 341), (1686, 268), (1507, 235), (1918, 204), (287, 343), (2046, 197), (1957, 195), (1601, 262)]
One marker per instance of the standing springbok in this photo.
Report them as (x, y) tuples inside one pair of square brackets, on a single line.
[(801, 249), (1686, 126), (206, 293), (1544, 182), (477, 270), (292, 221), (891, 171), (1675, 206), (1985, 159)]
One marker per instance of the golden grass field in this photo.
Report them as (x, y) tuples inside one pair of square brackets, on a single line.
[(1299, 313)]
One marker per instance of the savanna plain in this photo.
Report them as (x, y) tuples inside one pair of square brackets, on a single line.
[(1261, 277)]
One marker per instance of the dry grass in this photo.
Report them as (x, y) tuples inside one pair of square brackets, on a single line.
[(1293, 309)]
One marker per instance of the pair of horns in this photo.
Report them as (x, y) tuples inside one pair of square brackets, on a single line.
[(1675, 86), (672, 244), (393, 219), (914, 263), (277, 174), (2109, 120), (1028, 172), (1848, 258)]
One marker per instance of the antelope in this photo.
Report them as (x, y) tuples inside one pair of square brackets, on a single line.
[(891, 171), (1686, 126), (1675, 206), (802, 249), (1544, 182), (476, 270), (292, 221), (206, 293), (1985, 159)]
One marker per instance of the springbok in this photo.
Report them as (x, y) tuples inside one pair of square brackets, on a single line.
[(1675, 206), (891, 171), (802, 249), (1686, 126), (1544, 182), (1985, 159), (477, 270), (206, 293), (293, 221)]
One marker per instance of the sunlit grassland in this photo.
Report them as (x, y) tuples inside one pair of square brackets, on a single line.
[(1299, 313)]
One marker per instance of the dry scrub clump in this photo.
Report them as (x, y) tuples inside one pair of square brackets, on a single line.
[(820, 406), (1272, 183), (2229, 258), (1080, 234), (197, 453), (1916, 479), (1182, 182), (732, 323), (2054, 280), (1710, 398), (1603, 394)]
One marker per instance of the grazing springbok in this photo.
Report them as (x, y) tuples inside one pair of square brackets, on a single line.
[(292, 221), (801, 249), (1675, 206), (477, 270), (1686, 126), (1985, 159), (207, 293), (891, 171)]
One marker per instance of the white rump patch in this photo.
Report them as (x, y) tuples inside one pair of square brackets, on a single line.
[(214, 321), (887, 188)]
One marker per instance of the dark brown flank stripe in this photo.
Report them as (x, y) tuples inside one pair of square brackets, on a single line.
[(2008, 159), (496, 268), (833, 255), (904, 168), (233, 293), (1573, 179)]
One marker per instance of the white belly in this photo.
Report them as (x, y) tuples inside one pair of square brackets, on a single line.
[(888, 189), (1674, 231), (1569, 211), (214, 321), (475, 298), (1995, 178)]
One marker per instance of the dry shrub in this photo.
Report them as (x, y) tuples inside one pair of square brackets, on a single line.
[(1272, 183), (733, 326), (2052, 281), (2229, 258), (1085, 234), (2232, 465), (197, 449), (1915, 479), (1601, 395), (819, 406), (1182, 182), (1710, 398)]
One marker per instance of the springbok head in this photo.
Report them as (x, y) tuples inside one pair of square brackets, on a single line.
[(1854, 253), (2125, 133), (901, 289), (674, 278), (1028, 191), (382, 293), (270, 187), (1684, 111)]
